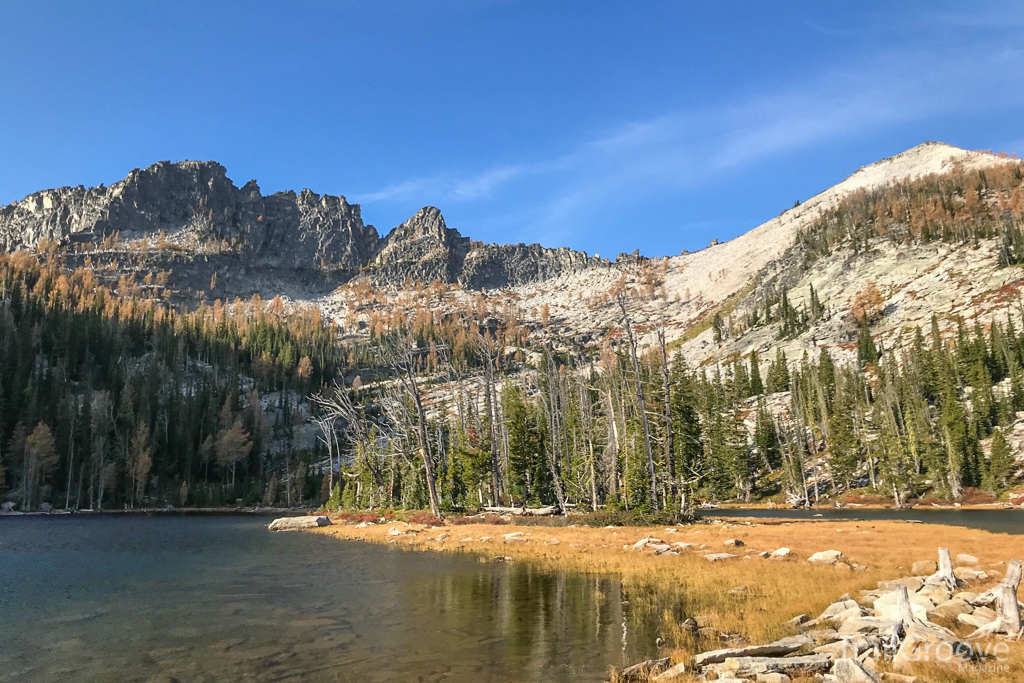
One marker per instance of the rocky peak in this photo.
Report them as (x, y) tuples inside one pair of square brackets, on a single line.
[(290, 236)]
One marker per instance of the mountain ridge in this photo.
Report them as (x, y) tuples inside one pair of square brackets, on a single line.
[(189, 204)]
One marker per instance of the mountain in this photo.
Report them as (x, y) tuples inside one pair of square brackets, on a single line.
[(190, 218), (190, 224), (864, 342)]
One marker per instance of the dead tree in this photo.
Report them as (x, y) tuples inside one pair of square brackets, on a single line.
[(666, 377), (1004, 595), (401, 354), (641, 403), (337, 408), (552, 408), (914, 640), (945, 574), (483, 345)]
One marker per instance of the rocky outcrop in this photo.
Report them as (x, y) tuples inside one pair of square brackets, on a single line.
[(192, 203), (201, 223)]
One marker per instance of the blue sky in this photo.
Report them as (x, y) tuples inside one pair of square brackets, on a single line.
[(603, 126)]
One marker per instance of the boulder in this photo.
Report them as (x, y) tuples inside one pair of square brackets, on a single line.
[(773, 678), (798, 620), (837, 607), (823, 635), (911, 582), (851, 613), (644, 670), (973, 619), (950, 609), (967, 574), (867, 625), (963, 558), (924, 568), (672, 673), (733, 543), (298, 523), (826, 557), (852, 671), (717, 557), (781, 553), (738, 590), (887, 606), (777, 649), (679, 545), (936, 594), (644, 542)]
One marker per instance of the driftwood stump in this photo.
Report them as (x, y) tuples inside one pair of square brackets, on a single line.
[(945, 574), (917, 638), (1008, 621)]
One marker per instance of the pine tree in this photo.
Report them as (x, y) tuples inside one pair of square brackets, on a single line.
[(756, 386), (766, 438), (778, 373), (866, 351), (1001, 463)]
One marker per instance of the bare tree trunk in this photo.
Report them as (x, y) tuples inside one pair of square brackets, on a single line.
[(485, 351), (670, 449), (945, 574), (71, 461), (421, 434), (642, 405)]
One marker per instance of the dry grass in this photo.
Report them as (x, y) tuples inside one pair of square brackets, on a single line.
[(777, 589)]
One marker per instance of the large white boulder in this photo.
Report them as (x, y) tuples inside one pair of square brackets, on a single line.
[(298, 523), (826, 557)]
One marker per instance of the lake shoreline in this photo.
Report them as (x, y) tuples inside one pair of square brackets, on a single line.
[(747, 594)]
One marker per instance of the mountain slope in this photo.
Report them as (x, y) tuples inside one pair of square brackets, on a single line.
[(693, 285)]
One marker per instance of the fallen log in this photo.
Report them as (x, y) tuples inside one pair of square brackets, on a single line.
[(750, 667), (526, 512), (778, 648)]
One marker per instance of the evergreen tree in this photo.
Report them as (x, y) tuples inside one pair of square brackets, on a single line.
[(756, 386), (1001, 463)]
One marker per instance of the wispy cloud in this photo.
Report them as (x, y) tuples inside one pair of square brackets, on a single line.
[(684, 149)]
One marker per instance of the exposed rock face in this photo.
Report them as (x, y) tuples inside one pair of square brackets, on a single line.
[(194, 202), (193, 205)]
